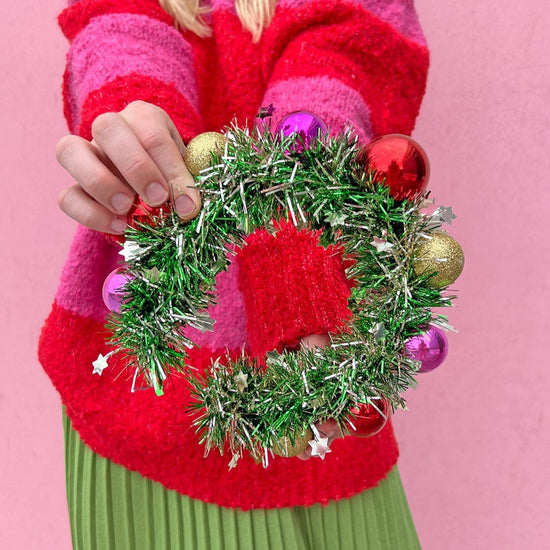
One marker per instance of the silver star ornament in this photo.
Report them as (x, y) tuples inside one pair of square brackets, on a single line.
[(130, 250), (319, 447), (242, 381), (381, 245), (378, 331), (100, 364)]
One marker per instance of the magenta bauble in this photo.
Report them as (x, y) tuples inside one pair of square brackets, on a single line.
[(305, 126), (113, 289), (401, 162), (367, 419), (430, 348)]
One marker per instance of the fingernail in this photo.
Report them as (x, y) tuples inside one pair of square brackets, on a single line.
[(121, 202), (184, 206), (155, 193), (118, 225)]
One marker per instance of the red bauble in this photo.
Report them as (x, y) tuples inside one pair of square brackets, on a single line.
[(366, 420), (401, 161), (141, 212)]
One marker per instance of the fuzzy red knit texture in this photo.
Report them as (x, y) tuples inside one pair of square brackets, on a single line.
[(289, 285), (115, 96), (301, 288)]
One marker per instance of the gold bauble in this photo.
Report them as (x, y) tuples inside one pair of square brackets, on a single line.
[(284, 447), (200, 149), (442, 254)]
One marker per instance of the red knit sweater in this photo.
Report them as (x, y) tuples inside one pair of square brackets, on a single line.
[(358, 62)]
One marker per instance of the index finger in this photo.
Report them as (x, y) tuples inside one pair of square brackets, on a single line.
[(164, 145)]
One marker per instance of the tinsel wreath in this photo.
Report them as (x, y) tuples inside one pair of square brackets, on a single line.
[(257, 178)]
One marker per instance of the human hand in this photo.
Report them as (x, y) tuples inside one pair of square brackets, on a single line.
[(330, 428), (136, 151)]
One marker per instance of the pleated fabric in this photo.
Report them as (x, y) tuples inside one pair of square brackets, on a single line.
[(112, 508)]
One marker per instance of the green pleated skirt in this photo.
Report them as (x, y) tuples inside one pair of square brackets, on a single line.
[(112, 508)]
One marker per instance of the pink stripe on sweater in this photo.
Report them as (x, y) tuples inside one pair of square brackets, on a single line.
[(228, 313), (120, 44), (400, 14), (337, 104), (91, 258), (223, 5)]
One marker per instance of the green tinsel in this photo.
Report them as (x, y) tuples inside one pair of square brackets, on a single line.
[(172, 266)]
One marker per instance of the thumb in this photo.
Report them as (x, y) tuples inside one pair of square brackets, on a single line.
[(314, 341)]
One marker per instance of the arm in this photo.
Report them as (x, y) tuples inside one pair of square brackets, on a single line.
[(358, 62), (122, 52), (292, 288), (353, 62)]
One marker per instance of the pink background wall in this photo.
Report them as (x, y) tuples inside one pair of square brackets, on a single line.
[(475, 443)]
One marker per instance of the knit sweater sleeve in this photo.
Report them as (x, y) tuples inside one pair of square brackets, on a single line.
[(122, 51), (353, 62)]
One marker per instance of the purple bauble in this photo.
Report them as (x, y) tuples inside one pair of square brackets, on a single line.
[(113, 289), (305, 125), (429, 348)]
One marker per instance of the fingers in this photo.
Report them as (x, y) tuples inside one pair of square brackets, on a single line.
[(315, 341), (306, 455), (98, 178), (330, 428), (136, 151), (165, 147), (117, 139), (87, 211)]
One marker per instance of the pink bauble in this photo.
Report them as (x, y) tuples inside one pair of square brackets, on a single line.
[(306, 126), (401, 161), (429, 348), (366, 420), (113, 289)]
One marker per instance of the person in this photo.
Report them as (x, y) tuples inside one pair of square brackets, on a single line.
[(142, 79)]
